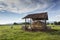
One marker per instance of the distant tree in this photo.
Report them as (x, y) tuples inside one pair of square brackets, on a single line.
[(48, 23), (55, 23), (25, 23), (52, 23), (15, 23), (58, 23)]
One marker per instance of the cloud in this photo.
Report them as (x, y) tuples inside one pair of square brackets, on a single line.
[(30, 6), (23, 6), (54, 15), (55, 18)]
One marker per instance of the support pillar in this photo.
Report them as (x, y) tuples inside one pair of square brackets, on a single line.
[(45, 24), (30, 22), (25, 22)]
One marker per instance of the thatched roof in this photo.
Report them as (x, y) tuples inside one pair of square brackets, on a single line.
[(38, 16)]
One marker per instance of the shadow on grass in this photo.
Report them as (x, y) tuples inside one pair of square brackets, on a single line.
[(53, 32)]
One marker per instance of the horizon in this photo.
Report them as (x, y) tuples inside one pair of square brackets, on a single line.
[(14, 10)]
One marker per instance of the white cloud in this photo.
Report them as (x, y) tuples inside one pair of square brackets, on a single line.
[(1, 0), (55, 18), (54, 15), (23, 6)]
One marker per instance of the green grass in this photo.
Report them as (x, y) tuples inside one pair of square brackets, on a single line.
[(6, 33)]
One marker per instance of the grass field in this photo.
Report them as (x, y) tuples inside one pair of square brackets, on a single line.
[(6, 33)]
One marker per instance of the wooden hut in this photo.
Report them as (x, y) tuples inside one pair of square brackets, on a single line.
[(38, 20)]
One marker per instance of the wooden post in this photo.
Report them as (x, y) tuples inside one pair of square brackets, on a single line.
[(25, 22), (45, 23), (30, 22)]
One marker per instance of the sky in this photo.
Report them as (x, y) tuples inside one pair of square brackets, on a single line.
[(14, 10)]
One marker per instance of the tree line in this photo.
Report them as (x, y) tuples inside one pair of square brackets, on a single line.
[(55, 23)]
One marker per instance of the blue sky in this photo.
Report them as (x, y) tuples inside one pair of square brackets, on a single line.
[(14, 10)]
